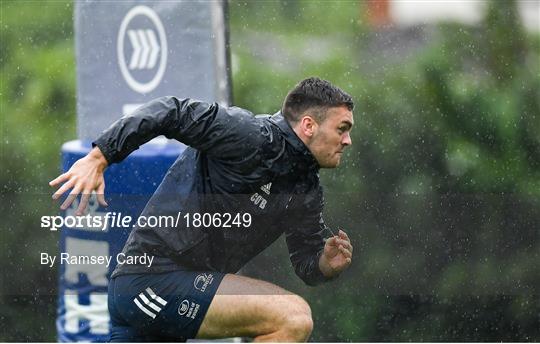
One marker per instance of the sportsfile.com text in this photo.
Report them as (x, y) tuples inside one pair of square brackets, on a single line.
[(107, 220)]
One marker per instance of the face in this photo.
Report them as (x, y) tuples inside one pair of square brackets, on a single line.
[(330, 137)]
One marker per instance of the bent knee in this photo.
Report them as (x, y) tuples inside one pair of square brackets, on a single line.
[(298, 322), (299, 327), (301, 306)]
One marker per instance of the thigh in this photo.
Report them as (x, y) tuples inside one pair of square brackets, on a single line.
[(247, 307)]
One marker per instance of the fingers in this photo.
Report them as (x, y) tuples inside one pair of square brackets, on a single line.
[(346, 242), (339, 245), (72, 195), (335, 241), (344, 247), (63, 189), (101, 195), (347, 245), (343, 235), (84, 202), (60, 179), (345, 252), (331, 241), (85, 197)]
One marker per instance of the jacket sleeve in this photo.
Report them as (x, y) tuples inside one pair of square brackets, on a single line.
[(305, 239), (216, 130)]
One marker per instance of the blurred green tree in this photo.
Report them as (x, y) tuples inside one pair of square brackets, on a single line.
[(439, 191)]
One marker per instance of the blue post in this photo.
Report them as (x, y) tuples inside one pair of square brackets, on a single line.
[(187, 57), (82, 301)]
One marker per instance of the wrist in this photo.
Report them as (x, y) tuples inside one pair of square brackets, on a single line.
[(325, 267), (96, 155)]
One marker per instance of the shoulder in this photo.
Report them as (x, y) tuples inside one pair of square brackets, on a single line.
[(240, 118), (258, 129)]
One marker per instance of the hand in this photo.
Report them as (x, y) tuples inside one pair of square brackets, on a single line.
[(337, 254), (86, 175)]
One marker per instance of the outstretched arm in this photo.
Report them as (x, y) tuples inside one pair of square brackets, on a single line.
[(85, 176), (210, 128)]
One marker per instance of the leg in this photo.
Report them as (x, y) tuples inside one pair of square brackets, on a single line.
[(246, 307)]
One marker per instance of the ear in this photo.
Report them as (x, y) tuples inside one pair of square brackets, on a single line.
[(308, 126)]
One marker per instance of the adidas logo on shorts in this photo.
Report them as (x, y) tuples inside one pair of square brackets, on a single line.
[(149, 303)]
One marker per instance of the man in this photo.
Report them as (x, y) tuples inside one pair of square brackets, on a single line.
[(261, 172)]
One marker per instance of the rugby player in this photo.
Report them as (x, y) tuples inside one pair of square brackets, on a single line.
[(266, 166)]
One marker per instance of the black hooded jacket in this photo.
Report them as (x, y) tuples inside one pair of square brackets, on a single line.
[(236, 163)]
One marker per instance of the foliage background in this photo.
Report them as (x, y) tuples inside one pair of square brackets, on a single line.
[(440, 191)]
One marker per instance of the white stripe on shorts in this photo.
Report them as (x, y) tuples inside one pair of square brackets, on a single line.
[(144, 309), (150, 303), (155, 297)]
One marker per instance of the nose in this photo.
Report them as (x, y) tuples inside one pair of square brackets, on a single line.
[(346, 141)]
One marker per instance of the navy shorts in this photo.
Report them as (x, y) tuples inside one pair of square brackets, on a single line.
[(160, 307)]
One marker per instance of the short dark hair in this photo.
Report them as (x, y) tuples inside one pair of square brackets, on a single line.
[(317, 95)]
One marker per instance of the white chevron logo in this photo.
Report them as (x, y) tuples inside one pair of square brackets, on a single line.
[(144, 69), (145, 49)]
